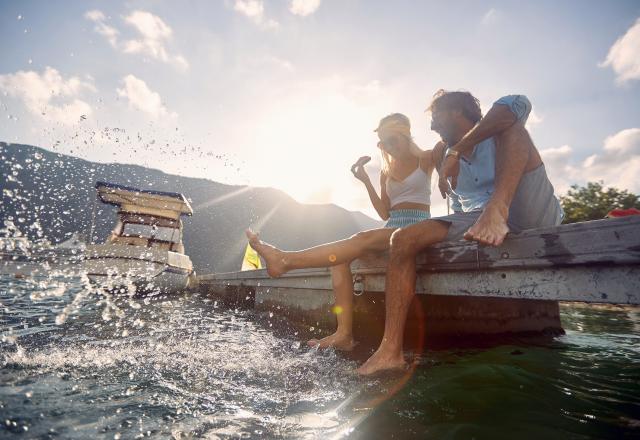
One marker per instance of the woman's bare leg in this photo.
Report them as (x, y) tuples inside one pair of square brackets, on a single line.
[(325, 255), (342, 339)]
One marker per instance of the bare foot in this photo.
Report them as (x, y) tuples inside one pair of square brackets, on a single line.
[(380, 362), (336, 340), (273, 256), (491, 227)]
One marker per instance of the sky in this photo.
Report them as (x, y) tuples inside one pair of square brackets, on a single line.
[(286, 93)]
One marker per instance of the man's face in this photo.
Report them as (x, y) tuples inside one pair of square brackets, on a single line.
[(442, 123)]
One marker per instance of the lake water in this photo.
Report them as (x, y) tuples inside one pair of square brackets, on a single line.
[(76, 364)]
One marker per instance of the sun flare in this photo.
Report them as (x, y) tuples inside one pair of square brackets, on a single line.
[(307, 150)]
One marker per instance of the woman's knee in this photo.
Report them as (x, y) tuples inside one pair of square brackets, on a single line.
[(366, 239)]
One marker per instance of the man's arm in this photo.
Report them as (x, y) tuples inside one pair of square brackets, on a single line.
[(515, 153), (503, 114)]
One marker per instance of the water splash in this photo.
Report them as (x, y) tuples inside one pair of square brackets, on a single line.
[(169, 366)]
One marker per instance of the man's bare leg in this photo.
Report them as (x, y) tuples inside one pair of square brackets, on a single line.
[(342, 339), (515, 155), (400, 289), (325, 255)]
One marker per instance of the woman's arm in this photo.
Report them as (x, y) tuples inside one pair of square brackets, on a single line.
[(385, 203), (431, 159), (380, 204)]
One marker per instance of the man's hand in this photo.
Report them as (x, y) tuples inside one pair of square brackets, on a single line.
[(450, 168)]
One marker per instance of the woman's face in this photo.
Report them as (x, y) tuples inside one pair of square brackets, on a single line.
[(395, 144)]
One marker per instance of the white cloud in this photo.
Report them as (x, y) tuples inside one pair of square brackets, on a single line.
[(624, 55), (533, 120), (109, 32), (142, 98), (304, 7), (48, 94), (618, 163), (624, 142), (150, 26), (94, 15), (154, 35), (557, 163), (557, 155), (254, 10)]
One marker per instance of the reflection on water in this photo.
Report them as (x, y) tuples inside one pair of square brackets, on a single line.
[(180, 367)]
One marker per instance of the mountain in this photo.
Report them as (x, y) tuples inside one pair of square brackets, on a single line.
[(51, 195)]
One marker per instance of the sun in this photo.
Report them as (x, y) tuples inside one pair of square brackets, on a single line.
[(307, 148)]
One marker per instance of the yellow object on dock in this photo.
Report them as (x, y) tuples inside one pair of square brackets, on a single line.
[(251, 260)]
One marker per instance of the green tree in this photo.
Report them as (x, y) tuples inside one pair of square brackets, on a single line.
[(593, 202)]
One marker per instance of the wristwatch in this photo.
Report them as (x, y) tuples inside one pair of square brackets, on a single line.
[(453, 153)]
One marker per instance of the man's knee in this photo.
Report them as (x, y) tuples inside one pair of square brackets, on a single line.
[(412, 239), (404, 242)]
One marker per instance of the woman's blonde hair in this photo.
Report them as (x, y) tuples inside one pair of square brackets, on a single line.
[(397, 118)]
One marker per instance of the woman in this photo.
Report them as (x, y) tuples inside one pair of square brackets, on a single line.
[(405, 181)]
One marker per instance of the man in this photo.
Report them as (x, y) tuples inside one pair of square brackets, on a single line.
[(494, 175)]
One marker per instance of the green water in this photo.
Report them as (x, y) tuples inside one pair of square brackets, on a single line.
[(584, 385)]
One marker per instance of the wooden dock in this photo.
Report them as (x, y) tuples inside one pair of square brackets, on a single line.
[(463, 288)]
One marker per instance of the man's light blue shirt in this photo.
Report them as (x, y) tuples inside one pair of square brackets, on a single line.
[(476, 180)]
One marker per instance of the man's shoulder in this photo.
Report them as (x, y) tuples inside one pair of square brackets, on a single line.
[(519, 105)]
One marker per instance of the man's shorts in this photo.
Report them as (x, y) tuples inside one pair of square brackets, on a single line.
[(534, 206)]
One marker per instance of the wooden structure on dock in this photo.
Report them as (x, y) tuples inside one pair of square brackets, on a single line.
[(464, 289)]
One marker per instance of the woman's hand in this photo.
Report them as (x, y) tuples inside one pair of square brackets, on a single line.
[(358, 169)]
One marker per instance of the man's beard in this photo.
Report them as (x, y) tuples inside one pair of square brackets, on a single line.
[(448, 139)]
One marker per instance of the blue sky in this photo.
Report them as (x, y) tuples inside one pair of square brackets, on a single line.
[(286, 93)]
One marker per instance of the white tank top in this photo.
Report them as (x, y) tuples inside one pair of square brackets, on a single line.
[(415, 188)]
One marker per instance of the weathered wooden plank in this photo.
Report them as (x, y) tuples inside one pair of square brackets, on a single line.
[(604, 242), (609, 241), (614, 285), (595, 261)]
